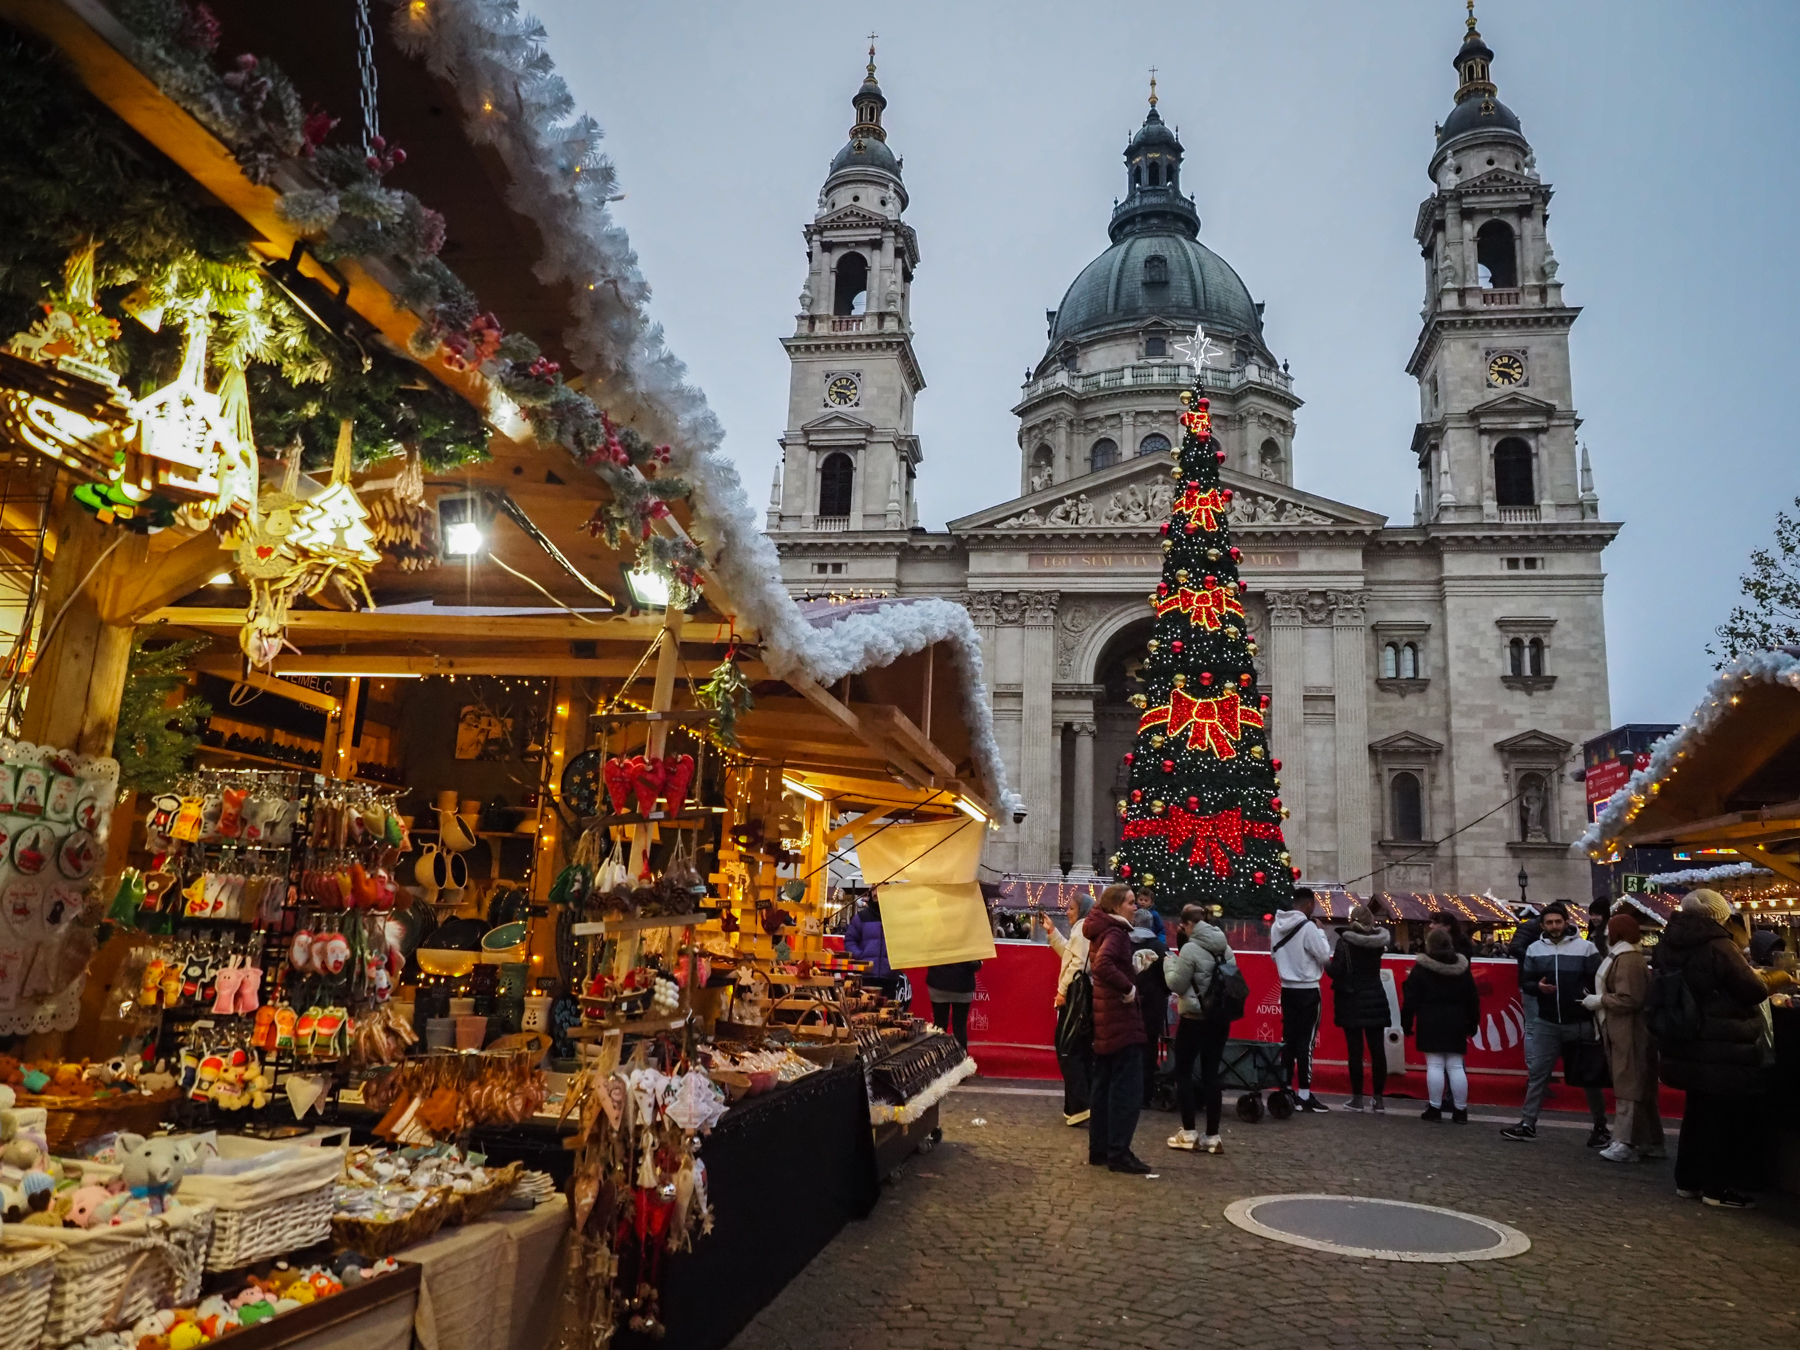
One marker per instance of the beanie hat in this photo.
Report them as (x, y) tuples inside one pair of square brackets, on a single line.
[(1438, 943), (1362, 916), (1623, 928), (1710, 903)]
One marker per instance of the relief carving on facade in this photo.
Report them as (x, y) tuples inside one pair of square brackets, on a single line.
[(988, 609), (981, 605), (1286, 608), (1148, 504), (1076, 618)]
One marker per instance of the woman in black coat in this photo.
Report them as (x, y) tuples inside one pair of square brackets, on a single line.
[(1440, 1008), (1359, 1001)]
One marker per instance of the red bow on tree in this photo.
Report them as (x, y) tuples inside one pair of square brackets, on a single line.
[(1204, 507), (1204, 608), (1213, 725), (1212, 836)]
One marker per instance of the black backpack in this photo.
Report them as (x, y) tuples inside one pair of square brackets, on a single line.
[(1075, 1033), (1671, 1010), (1227, 993)]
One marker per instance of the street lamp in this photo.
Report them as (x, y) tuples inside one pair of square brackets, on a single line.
[(1523, 881)]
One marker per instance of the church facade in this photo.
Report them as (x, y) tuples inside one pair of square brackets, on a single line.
[(1431, 682)]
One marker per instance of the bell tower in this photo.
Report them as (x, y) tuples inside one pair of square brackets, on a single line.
[(849, 456), (1496, 434)]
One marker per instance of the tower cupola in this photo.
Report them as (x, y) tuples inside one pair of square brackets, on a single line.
[(1153, 200)]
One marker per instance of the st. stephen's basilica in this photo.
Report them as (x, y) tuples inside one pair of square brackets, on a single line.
[(1421, 673)]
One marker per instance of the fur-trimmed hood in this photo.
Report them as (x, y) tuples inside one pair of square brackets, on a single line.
[(1378, 938), (1453, 967)]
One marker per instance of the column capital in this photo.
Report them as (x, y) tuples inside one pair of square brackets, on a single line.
[(982, 606), (1032, 609), (1349, 609), (1083, 728)]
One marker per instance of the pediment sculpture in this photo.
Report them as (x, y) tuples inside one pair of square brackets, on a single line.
[(1148, 504)]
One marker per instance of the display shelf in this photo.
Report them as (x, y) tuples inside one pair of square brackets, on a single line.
[(249, 758), (600, 927), (687, 716), (680, 820), (648, 1026)]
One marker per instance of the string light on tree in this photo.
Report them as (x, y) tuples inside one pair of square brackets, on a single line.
[(1203, 814)]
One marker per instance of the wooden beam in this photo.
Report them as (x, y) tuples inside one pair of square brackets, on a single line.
[(380, 625), (874, 812), (898, 727), (501, 662), (1767, 822), (1782, 864), (821, 698), (228, 669)]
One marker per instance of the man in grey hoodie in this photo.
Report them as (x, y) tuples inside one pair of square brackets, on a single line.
[(1301, 951)]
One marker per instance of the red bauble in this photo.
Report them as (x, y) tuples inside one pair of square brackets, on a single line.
[(1296, 874), (1219, 455), (1192, 525), (1175, 646), (1211, 580), (1206, 677), (1275, 803), (1124, 869), (1203, 404), (1275, 764), (1137, 794), (1225, 494), (1165, 527), (1162, 588), (1259, 878), (1192, 487), (1168, 766), (1129, 756), (1193, 803), (1264, 702), (1237, 554), (1244, 679)]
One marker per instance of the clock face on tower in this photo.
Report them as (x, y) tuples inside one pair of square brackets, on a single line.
[(842, 391), (1505, 370)]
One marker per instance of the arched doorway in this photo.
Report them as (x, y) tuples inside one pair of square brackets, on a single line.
[(1115, 728)]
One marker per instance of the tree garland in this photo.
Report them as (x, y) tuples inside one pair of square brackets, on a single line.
[(154, 739)]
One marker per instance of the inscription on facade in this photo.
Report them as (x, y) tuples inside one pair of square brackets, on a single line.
[(1128, 562)]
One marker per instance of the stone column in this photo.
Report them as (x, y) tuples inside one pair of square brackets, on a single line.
[(1082, 835), (1039, 757), (1350, 683), (1288, 692), (981, 606)]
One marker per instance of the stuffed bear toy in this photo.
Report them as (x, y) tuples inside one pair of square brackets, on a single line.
[(150, 1169)]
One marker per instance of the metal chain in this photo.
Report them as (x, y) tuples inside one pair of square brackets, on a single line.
[(365, 60)]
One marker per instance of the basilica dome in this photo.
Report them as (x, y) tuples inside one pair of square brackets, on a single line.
[(1157, 267)]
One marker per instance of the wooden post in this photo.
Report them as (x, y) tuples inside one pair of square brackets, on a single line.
[(79, 675)]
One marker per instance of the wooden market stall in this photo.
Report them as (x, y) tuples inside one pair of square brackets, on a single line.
[(509, 822)]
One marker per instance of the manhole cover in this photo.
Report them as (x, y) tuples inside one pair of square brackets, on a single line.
[(1380, 1230)]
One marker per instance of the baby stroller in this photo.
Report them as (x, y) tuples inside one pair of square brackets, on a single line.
[(1254, 1067)]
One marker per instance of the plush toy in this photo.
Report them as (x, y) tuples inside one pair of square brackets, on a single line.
[(83, 1204), (261, 1310), (185, 1336), (152, 1168)]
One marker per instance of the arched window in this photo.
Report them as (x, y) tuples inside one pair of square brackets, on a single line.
[(1496, 260), (1515, 656), (1534, 654), (1156, 346), (852, 291), (1409, 661), (1137, 175), (1513, 484), (1105, 452), (1270, 459), (1390, 661), (1155, 174), (1154, 444), (1156, 270), (1406, 808), (837, 475)]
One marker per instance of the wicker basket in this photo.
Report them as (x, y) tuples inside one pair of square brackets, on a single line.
[(27, 1275), (280, 1206), (107, 1278), (468, 1206), (71, 1121), (376, 1238)]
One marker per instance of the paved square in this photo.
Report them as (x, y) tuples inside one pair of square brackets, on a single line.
[(1004, 1237)]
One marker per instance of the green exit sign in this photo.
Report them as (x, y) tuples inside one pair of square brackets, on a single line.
[(1636, 885)]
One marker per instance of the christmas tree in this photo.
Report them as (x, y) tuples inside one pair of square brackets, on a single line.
[(1202, 821)]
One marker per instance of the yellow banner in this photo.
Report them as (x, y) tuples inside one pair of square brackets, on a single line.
[(934, 925), (941, 852)]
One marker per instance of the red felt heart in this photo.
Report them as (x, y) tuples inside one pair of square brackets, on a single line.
[(617, 773), (679, 771), (264, 552), (647, 783)]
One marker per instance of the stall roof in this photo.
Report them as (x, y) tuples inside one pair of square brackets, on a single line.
[(1728, 779), (1415, 907), (552, 255)]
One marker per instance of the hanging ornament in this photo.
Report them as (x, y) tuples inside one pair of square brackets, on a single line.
[(400, 521)]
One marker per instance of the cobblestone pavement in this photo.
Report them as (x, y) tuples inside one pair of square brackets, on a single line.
[(1003, 1237)]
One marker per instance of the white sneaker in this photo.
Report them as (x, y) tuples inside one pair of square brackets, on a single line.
[(1212, 1143), (1079, 1118), (1187, 1139), (1619, 1152)]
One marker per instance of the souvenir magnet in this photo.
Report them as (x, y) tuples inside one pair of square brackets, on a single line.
[(60, 803)]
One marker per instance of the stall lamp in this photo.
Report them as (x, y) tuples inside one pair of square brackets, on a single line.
[(795, 785), (649, 590), (463, 518), (972, 811), (352, 674), (222, 579)]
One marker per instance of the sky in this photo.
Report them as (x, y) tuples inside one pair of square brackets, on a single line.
[(1666, 129)]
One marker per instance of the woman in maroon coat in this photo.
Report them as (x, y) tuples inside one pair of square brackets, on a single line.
[(1118, 1076)]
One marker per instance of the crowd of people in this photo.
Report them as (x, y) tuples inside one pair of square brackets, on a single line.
[(1691, 1015)]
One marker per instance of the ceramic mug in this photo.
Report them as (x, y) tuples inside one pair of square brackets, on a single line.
[(431, 872)]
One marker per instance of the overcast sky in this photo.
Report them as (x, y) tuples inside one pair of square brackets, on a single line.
[(1668, 131)]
